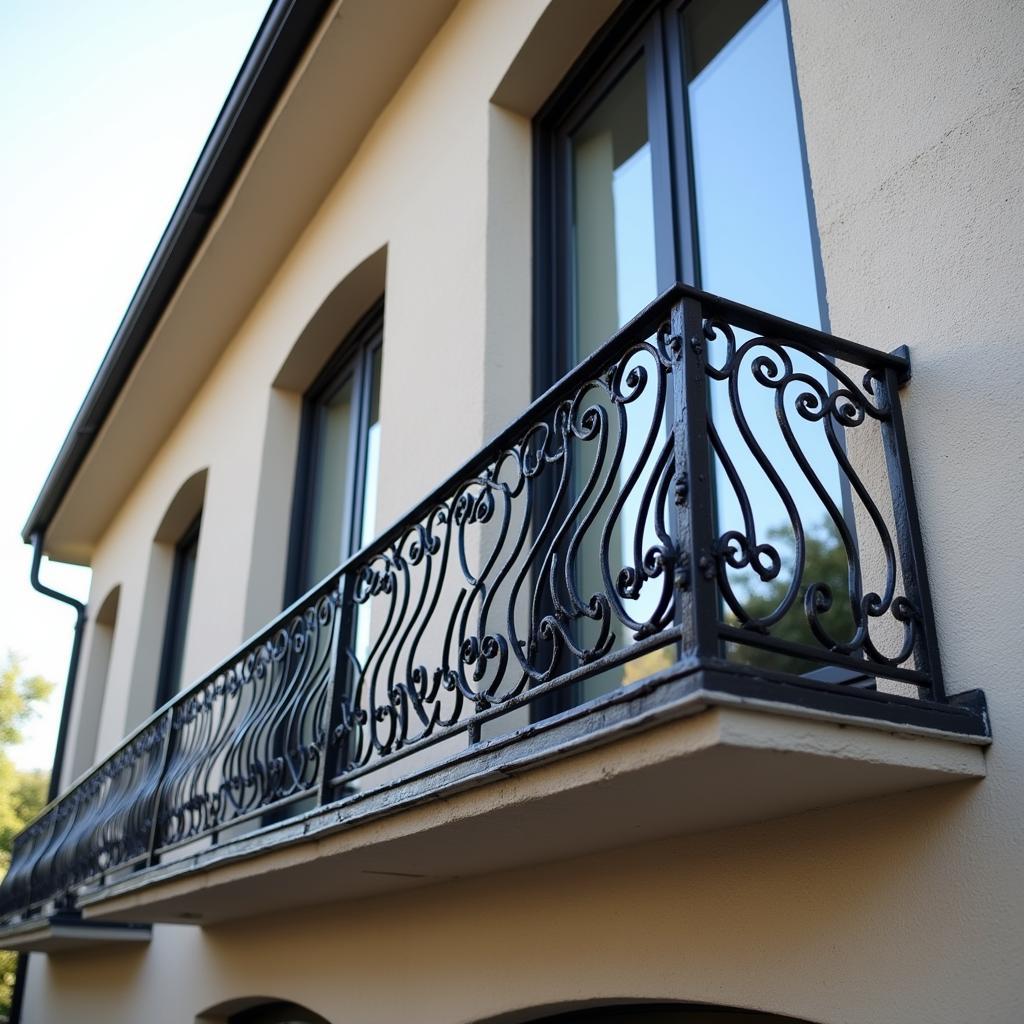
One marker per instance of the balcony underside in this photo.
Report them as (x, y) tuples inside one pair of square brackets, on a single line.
[(64, 933), (685, 752)]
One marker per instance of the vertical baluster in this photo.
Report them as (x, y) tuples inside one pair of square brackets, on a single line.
[(908, 530), (696, 595), (335, 748), (164, 759)]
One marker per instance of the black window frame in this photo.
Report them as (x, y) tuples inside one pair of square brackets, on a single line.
[(179, 605), (638, 27), (354, 357), (653, 28)]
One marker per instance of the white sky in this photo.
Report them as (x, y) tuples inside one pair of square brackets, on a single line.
[(104, 107)]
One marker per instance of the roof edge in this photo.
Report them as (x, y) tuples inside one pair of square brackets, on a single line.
[(282, 39)]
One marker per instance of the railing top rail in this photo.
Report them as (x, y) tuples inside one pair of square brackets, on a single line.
[(643, 325), (750, 319)]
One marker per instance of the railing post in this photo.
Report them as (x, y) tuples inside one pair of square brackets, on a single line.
[(696, 594), (908, 531), (344, 619)]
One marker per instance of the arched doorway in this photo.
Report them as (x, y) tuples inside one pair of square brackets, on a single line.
[(276, 1013), (663, 1013)]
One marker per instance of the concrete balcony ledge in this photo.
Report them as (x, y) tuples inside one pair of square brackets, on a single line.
[(691, 750), (60, 933)]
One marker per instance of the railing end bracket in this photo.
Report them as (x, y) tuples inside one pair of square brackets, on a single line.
[(903, 376)]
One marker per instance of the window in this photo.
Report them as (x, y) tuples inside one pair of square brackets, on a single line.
[(672, 152), (178, 607), (94, 686), (339, 456)]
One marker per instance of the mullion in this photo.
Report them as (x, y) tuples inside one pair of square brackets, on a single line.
[(684, 198), (660, 136)]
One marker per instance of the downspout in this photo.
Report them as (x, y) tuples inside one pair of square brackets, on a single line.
[(62, 730), (76, 647)]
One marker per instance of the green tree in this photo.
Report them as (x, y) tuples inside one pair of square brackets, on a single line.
[(22, 793), (825, 562)]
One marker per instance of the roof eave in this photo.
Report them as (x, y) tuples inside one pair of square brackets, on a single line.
[(286, 31)]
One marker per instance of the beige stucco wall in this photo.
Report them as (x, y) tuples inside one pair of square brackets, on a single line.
[(420, 186), (906, 910), (855, 915)]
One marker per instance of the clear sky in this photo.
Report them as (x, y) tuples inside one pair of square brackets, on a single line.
[(104, 107)]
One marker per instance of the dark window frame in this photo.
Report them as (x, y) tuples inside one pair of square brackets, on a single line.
[(179, 605), (638, 28), (354, 358), (653, 29)]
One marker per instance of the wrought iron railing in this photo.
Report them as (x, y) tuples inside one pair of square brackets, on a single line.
[(713, 487)]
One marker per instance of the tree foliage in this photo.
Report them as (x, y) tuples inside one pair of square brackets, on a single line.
[(825, 562), (22, 793)]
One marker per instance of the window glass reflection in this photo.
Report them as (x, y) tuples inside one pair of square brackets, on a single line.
[(756, 246), (613, 213), (330, 521)]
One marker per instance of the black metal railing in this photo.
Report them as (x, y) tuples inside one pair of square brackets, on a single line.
[(713, 487)]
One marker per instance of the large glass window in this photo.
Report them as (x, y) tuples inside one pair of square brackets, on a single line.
[(178, 608), (613, 212), (673, 152), (750, 194), (339, 457)]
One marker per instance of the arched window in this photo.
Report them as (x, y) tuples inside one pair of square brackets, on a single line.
[(179, 535), (179, 604), (160, 665), (97, 671), (339, 452)]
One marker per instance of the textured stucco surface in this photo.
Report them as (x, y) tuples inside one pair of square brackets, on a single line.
[(907, 909)]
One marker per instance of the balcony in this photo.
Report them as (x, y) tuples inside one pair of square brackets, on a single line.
[(684, 590)]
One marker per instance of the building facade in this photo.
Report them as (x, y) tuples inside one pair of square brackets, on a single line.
[(511, 595)]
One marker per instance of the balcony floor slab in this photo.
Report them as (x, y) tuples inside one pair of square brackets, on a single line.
[(667, 757)]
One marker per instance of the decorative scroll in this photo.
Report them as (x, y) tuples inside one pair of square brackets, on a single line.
[(802, 385), (551, 556), (104, 823), (252, 735), (551, 560)]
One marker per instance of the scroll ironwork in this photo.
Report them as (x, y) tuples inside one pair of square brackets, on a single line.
[(617, 528)]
